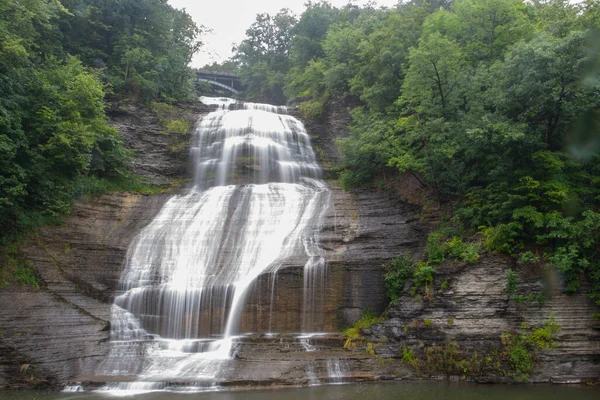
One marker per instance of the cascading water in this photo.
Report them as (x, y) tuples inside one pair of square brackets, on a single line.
[(256, 203)]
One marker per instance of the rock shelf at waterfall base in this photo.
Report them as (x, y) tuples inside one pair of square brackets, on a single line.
[(261, 361), (288, 358)]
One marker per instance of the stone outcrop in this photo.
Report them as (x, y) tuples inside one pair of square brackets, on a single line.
[(160, 156), (53, 333), (474, 310), (362, 230)]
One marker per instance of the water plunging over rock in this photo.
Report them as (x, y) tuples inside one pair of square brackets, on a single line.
[(256, 205)]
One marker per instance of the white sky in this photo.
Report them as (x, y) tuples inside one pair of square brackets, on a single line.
[(229, 20)]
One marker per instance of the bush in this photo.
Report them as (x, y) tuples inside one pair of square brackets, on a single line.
[(367, 319), (423, 277), (15, 268), (511, 282), (519, 349), (313, 110), (467, 252), (180, 126), (399, 270)]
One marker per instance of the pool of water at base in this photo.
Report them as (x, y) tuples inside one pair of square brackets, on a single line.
[(371, 391)]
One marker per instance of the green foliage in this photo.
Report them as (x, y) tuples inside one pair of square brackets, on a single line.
[(408, 356), (398, 271), (366, 320), (444, 286), (442, 243), (543, 338), (56, 143), (528, 257), (467, 252), (56, 131), (512, 287), (516, 359), (435, 78), (423, 277), (447, 359), (167, 116), (519, 357), (145, 47), (264, 56), (90, 186), (312, 110), (16, 269), (180, 126), (447, 241), (519, 349), (511, 282)]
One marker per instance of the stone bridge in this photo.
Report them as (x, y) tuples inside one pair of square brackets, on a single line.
[(221, 79)]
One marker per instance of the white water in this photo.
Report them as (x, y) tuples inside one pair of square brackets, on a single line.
[(256, 203), (337, 370)]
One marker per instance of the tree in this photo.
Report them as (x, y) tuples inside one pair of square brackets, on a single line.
[(540, 84), (383, 54), (146, 46), (435, 77), (488, 27), (264, 56)]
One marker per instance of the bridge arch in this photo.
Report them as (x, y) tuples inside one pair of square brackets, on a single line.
[(221, 85), (223, 80)]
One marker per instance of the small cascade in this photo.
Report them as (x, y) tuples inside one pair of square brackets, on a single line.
[(255, 206), (306, 344), (312, 377), (337, 369), (73, 388)]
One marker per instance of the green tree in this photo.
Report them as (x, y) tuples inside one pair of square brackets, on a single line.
[(434, 81), (264, 56), (488, 27)]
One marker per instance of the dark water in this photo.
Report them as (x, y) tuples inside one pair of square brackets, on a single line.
[(380, 391)]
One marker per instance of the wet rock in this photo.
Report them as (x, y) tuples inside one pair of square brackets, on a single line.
[(160, 156), (62, 329)]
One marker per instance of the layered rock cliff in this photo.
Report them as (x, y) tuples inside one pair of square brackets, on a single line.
[(60, 331), (473, 309), (51, 334)]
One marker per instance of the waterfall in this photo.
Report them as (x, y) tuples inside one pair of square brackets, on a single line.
[(255, 204)]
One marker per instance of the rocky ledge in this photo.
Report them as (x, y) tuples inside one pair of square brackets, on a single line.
[(472, 311), (160, 156)]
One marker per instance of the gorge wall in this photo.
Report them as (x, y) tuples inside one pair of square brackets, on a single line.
[(56, 332), (473, 311), (61, 331)]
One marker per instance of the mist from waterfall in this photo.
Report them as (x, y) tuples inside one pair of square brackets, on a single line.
[(255, 204)]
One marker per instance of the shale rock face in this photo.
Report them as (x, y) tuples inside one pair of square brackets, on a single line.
[(361, 232), (61, 331), (474, 310), (55, 332), (159, 155)]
